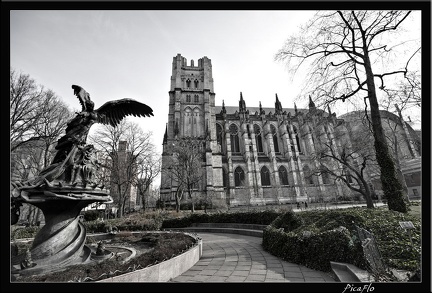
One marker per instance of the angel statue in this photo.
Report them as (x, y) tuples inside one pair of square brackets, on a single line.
[(111, 113), (74, 141), (67, 186)]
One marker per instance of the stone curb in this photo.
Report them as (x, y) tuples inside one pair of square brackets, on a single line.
[(164, 271), (348, 273)]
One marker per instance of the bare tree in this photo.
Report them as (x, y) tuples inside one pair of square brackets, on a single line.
[(347, 157), (35, 113), (344, 49), (185, 168), (37, 119), (122, 145), (149, 166)]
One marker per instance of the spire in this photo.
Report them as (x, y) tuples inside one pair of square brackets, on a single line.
[(278, 106), (295, 108), (261, 111), (311, 103), (165, 138), (242, 104), (223, 107)]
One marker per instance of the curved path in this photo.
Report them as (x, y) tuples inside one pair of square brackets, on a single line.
[(240, 258)]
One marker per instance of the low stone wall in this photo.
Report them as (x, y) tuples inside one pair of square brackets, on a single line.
[(164, 271)]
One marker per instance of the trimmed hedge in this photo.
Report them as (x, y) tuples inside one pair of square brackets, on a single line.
[(311, 238), (313, 249), (251, 217)]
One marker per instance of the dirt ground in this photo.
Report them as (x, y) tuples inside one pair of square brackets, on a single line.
[(151, 248)]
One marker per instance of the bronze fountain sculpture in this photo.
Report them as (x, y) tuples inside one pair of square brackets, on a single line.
[(66, 186)]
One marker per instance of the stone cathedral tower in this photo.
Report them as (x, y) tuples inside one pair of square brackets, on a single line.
[(191, 115)]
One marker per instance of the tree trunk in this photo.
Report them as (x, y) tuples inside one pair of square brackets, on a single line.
[(144, 202), (120, 209), (367, 195), (177, 198), (398, 167), (391, 185)]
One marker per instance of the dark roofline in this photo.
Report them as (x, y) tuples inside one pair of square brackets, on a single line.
[(252, 110)]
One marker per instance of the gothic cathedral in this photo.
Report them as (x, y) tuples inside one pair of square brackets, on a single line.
[(253, 155)]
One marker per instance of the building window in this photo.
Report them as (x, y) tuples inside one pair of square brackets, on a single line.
[(283, 176), (219, 134), (297, 139), (307, 175), (265, 176), (290, 139), (348, 176), (258, 138), (196, 99), (325, 178), (239, 177), (187, 125), (188, 83), (196, 83), (224, 178), (235, 142), (275, 138), (188, 98)]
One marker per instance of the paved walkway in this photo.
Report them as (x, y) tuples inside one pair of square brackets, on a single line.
[(240, 258)]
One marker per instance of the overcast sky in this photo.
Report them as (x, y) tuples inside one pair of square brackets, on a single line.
[(128, 54)]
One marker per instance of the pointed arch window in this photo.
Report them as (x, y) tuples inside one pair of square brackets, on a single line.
[(297, 139), (258, 138), (219, 136), (290, 139), (198, 127), (196, 83), (265, 176), (325, 178), (224, 178), (188, 98), (348, 176), (239, 176), (283, 175), (235, 142), (187, 122), (307, 175), (196, 98), (188, 82), (275, 138)]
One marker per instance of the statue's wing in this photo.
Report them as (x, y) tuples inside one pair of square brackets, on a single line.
[(82, 95), (113, 112)]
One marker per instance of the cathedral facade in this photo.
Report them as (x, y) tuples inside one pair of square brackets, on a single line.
[(251, 155)]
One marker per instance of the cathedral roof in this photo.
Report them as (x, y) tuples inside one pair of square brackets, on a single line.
[(252, 110)]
